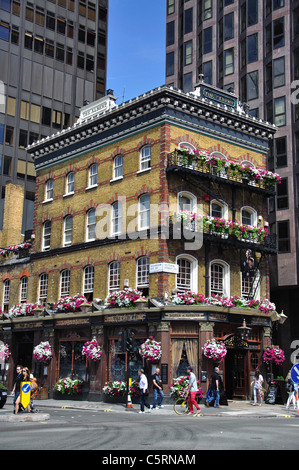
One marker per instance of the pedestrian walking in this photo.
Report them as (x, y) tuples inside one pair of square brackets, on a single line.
[(257, 383), (158, 389), (214, 389), (290, 388), (192, 389), (17, 388), (143, 386)]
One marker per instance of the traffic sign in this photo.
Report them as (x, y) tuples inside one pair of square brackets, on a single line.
[(25, 394), (295, 373)]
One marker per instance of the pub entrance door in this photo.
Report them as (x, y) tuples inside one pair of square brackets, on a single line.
[(236, 373)]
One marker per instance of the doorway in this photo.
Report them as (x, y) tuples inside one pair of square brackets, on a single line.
[(236, 373)]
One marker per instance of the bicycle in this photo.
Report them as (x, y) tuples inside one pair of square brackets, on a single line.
[(181, 405)]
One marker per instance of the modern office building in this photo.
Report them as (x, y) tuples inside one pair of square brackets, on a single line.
[(53, 59), (251, 47)]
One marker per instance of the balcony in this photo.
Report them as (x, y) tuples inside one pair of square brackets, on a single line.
[(225, 231), (193, 164)]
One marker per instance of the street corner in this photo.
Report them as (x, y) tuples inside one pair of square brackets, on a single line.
[(24, 417)]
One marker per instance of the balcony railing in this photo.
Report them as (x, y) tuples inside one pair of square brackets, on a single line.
[(226, 231), (214, 167)]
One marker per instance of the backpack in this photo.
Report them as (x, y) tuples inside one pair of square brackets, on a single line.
[(289, 386)]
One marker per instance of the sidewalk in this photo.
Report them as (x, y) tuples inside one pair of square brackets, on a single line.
[(234, 409)]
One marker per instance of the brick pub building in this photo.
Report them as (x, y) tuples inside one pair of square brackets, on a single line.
[(117, 200)]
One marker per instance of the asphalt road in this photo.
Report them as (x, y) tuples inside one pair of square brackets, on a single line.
[(111, 431)]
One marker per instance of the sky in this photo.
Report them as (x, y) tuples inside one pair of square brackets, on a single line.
[(136, 47)]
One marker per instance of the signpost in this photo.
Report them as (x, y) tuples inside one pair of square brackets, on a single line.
[(25, 394)]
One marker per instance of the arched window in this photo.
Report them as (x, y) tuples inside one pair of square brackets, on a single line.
[(187, 201), (219, 279), (187, 277), (219, 209), (91, 225), (68, 230), (118, 167), (70, 183), (65, 277), (114, 276), (46, 235), (88, 282), (222, 173), (248, 216)]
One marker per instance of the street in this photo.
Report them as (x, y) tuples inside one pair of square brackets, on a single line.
[(111, 431)]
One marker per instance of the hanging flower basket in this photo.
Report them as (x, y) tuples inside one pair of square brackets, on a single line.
[(4, 352), (273, 355), (92, 350), (214, 350), (151, 350), (69, 304), (43, 352), (22, 310)]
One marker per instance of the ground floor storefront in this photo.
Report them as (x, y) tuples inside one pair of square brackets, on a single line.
[(181, 331)]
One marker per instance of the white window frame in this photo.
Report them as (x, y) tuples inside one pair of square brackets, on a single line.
[(47, 229), (65, 281), (90, 225), (70, 183), (23, 289), (116, 218), (225, 279), (49, 190), (145, 158), (88, 279), (144, 212), (6, 294), (253, 215), (93, 175), (67, 231), (224, 208), (114, 276), (193, 273), (118, 164), (142, 272), (43, 288)]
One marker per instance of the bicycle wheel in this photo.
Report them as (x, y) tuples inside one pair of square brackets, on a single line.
[(181, 406)]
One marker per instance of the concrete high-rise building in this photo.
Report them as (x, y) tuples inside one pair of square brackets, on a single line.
[(53, 57), (251, 47)]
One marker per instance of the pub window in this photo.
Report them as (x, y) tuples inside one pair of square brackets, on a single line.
[(46, 235), (43, 288), (219, 210), (70, 183), (186, 278), (219, 279), (49, 190), (72, 363), (118, 167), (116, 218), (68, 230), (65, 282), (6, 291), (88, 282), (91, 225), (144, 212), (93, 175), (23, 289), (143, 275), (114, 276), (248, 216), (184, 352), (145, 158)]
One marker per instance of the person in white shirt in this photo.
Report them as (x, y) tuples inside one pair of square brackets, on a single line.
[(143, 386)]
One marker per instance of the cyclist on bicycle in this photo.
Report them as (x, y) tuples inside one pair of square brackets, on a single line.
[(192, 389)]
